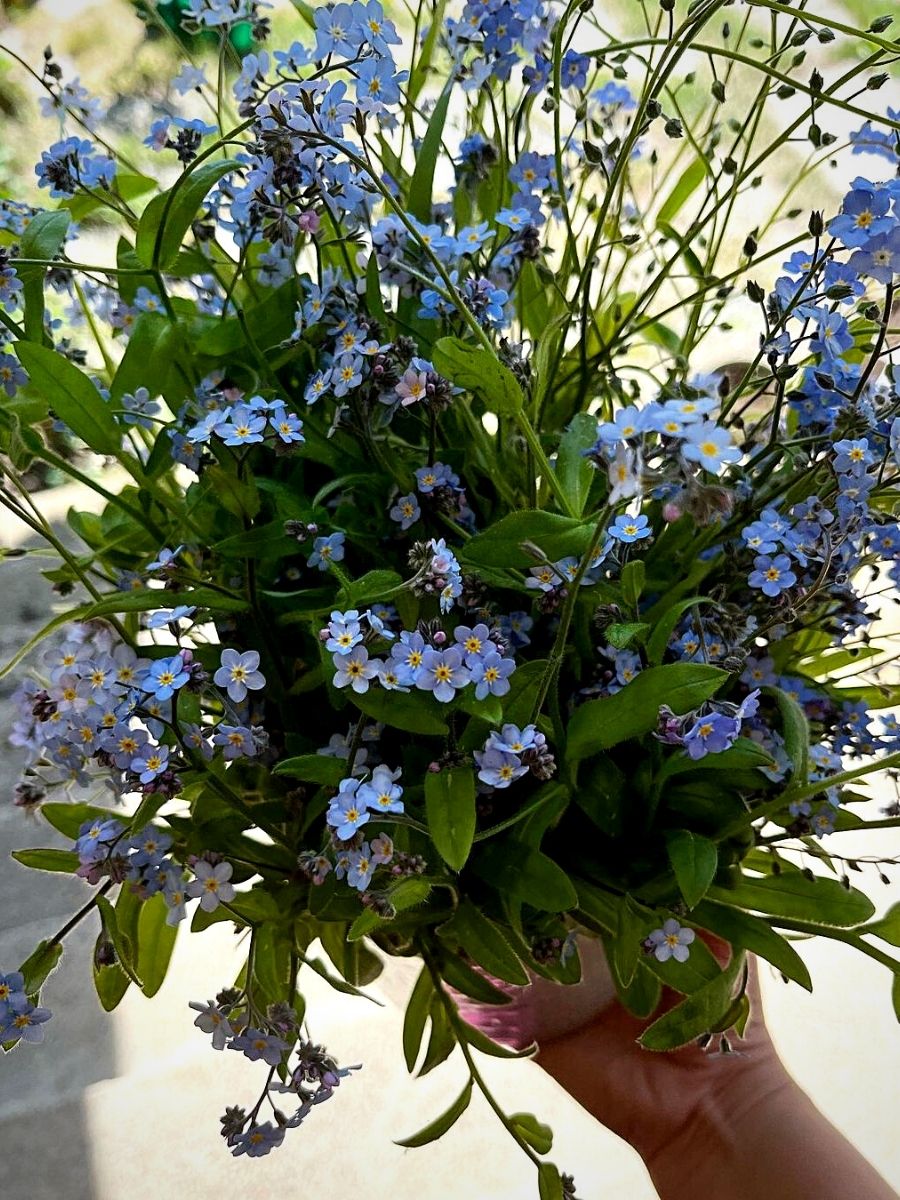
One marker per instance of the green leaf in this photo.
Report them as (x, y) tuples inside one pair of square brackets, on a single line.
[(887, 927), (633, 925), (124, 947), (895, 995), (313, 768), (633, 575), (500, 544), (450, 808), (111, 984), (374, 300), (156, 941), (525, 874), (576, 473), (413, 714), (405, 895), (600, 724), (38, 965), (141, 362), (549, 1182), (417, 1007), (441, 1124), (694, 860), (484, 943), (620, 636), (68, 818), (697, 1014), (422, 183), (538, 1135), (72, 396), (63, 861), (685, 186), (746, 932), (478, 370), (372, 587), (744, 755), (795, 730), (471, 983), (167, 217), (43, 237), (793, 894), (480, 1041)]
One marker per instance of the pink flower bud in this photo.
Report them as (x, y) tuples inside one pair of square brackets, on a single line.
[(671, 511), (439, 638)]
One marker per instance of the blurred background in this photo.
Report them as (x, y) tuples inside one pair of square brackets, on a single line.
[(129, 1103)]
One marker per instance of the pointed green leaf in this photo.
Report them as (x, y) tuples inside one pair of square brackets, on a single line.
[(478, 370), (63, 861), (72, 396), (599, 724), (168, 216), (484, 943), (415, 1017), (576, 473), (156, 941), (538, 1135), (441, 1124), (525, 874), (42, 239), (694, 860), (450, 807), (421, 186), (549, 1182), (793, 894), (747, 932), (697, 1014)]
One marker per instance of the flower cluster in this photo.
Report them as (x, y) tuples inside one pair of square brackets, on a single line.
[(271, 1038)]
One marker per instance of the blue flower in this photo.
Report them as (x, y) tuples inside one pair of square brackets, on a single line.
[(671, 941), (443, 672), (168, 616), (630, 529), (355, 669), (151, 762), (574, 69), (344, 632), (710, 446), (347, 812), (94, 837), (513, 740), (490, 675), (327, 550), (165, 676), (382, 792), (852, 456), (23, 1021), (287, 425), (429, 478), (406, 511), (880, 260), (833, 336), (12, 990), (361, 867), (772, 575), (864, 214), (711, 735), (475, 642), (498, 768), (239, 672), (237, 741), (12, 376), (259, 1046), (243, 428), (258, 1140)]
